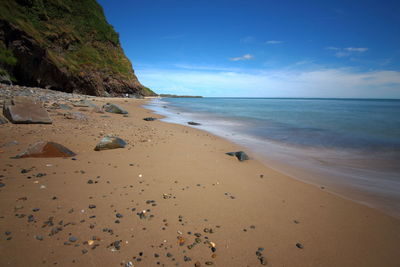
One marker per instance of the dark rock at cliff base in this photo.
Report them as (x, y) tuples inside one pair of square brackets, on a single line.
[(194, 123), (110, 143), (25, 110), (46, 150), (149, 119), (241, 156), (113, 108)]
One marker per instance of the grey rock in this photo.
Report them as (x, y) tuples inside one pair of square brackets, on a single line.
[(194, 123), (25, 110), (110, 143), (84, 104), (76, 116), (113, 108), (241, 156), (149, 119), (72, 239), (3, 120), (117, 245), (299, 245)]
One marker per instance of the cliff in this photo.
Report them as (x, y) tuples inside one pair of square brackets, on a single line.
[(64, 45)]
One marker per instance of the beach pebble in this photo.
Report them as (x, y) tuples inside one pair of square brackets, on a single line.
[(299, 245), (72, 239)]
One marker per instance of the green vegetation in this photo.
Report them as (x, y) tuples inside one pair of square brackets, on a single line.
[(7, 58), (79, 28), (7, 61)]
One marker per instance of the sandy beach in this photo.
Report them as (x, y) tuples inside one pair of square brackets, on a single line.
[(202, 206)]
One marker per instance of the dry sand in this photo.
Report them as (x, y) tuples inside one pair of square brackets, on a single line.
[(246, 204)]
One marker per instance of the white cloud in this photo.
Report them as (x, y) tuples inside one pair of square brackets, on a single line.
[(247, 39), (321, 82), (272, 42), (347, 51), (356, 49), (244, 57)]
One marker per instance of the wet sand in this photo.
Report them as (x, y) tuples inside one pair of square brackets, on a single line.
[(183, 179)]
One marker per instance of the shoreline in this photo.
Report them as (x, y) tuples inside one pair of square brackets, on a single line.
[(339, 172), (194, 187)]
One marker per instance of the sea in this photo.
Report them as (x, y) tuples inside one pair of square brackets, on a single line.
[(349, 147)]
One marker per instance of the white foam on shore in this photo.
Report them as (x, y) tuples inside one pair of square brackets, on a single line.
[(340, 171)]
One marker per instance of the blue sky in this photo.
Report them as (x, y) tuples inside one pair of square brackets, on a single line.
[(262, 48)]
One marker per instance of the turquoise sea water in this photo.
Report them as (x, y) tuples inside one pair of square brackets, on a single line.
[(350, 146)]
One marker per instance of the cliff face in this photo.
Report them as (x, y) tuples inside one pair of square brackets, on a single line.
[(64, 45)]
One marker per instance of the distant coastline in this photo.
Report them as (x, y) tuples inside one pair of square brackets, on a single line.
[(179, 96)]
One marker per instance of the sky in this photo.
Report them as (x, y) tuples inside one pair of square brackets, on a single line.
[(262, 48)]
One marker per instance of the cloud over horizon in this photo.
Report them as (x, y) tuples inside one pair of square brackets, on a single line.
[(323, 82), (347, 51)]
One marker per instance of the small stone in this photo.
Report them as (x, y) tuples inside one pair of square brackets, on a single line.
[(35, 209), (90, 181), (169, 255), (149, 119), (299, 245), (194, 123), (84, 251), (92, 206), (240, 155), (186, 258), (119, 215), (72, 239), (209, 263), (7, 233), (117, 245), (39, 237), (197, 264)]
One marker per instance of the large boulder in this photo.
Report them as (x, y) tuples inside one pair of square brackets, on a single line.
[(240, 155), (23, 109), (114, 108), (46, 150), (110, 142)]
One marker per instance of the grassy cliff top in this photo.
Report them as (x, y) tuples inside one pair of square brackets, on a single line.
[(75, 34)]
